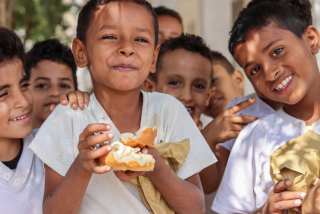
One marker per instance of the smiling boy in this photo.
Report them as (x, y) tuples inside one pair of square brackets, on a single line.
[(117, 41)]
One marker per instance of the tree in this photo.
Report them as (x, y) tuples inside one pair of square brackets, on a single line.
[(38, 18)]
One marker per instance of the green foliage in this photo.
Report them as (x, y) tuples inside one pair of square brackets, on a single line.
[(39, 18)]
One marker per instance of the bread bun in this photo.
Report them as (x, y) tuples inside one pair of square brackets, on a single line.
[(143, 138)]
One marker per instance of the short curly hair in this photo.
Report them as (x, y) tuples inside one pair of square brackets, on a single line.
[(293, 15), (11, 47), (85, 16), (188, 42), (54, 50), (164, 11)]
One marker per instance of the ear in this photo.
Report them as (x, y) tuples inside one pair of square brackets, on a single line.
[(311, 34), (211, 91), (155, 58), (149, 85), (78, 49), (238, 79)]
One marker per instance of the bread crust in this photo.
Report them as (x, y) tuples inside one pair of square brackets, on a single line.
[(132, 165), (145, 139)]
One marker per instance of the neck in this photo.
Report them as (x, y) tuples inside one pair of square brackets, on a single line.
[(9, 148), (273, 104), (36, 123), (308, 109), (123, 107)]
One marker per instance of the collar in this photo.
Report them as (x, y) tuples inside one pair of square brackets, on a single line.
[(17, 179), (297, 123)]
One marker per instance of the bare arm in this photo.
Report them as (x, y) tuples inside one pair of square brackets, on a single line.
[(65, 194), (222, 155)]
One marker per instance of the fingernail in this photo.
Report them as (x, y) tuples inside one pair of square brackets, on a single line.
[(108, 168), (65, 101), (297, 202), (303, 194), (74, 105), (81, 105), (287, 182), (108, 127), (145, 151), (110, 135), (109, 148), (317, 180)]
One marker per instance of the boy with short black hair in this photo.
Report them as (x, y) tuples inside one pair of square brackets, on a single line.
[(21, 172), (170, 23), (52, 71), (117, 41)]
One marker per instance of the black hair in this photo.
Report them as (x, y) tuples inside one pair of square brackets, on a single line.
[(53, 50), (188, 42), (218, 58), (293, 15), (85, 16), (164, 11), (11, 48)]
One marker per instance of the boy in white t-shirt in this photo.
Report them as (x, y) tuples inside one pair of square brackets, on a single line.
[(117, 41), (277, 51)]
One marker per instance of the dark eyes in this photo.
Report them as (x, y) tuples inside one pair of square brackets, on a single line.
[(64, 86), (25, 85), (141, 40), (41, 86), (3, 94), (138, 39), (199, 86), (214, 80), (255, 70), (174, 83), (108, 37), (277, 52)]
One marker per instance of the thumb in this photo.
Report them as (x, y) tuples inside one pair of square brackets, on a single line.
[(52, 107)]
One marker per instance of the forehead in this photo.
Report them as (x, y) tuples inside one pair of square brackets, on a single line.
[(166, 21), (186, 63), (258, 39), (11, 73), (51, 70), (123, 13), (219, 70)]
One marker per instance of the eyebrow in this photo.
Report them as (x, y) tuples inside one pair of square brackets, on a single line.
[(3, 87), (143, 30), (46, 78), (108, 27), (270, 44)]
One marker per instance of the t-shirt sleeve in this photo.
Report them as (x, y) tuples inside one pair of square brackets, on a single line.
[(53, 143), (228, 144), (181, 127)]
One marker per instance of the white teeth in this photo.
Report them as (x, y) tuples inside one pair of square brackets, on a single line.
[(20, 118), (284, 83)]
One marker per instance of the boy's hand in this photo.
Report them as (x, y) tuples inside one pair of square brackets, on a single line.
[(228, 125), (279, 199), (127, 175), (89, 158), (311, 203), (76, 98)]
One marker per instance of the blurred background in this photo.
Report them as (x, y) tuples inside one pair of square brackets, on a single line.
[(36, 20)]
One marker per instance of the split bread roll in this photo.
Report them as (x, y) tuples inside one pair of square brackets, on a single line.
[(124, 157)]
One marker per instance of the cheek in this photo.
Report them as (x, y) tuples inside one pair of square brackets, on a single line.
[(4, 111), (201, 99)]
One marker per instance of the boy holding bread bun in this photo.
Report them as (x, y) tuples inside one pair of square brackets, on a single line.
[(117, 41)]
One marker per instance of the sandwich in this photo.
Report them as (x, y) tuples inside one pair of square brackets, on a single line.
[(126, 153)]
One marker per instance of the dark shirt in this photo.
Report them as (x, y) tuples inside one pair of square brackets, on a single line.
[(14, 162)]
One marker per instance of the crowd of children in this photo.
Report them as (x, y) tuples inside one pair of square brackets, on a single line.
[(189, 91)]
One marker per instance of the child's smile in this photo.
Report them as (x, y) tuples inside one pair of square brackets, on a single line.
[(278, 63)]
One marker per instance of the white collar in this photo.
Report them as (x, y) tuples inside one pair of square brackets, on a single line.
[(17, 179)]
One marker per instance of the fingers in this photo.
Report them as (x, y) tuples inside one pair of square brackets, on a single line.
[(243, 119), (288, 195), (92, 128), (282, 185), (243, 105), (94, 154), (80, 99), (101, 169), (63, 99), (127, 175), (284, 205), (93, 140), (52, 107), (86, 98)]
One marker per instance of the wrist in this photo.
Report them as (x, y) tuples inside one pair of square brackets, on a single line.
[(81, 169)]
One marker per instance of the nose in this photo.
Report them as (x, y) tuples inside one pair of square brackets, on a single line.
[(271, 71), (126, 49), (186, 95), (54, 91), (21, 100)]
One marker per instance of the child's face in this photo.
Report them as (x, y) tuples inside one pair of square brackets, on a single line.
[(226, 86), (15, 101), (169, 27), (186, 76), (120, 47), (48, 80), (278, 63)]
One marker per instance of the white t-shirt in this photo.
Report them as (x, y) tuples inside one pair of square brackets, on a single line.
[(57, 140), (21, 191), (247, 182), (259, 109)]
